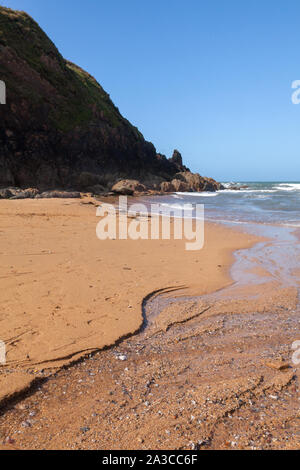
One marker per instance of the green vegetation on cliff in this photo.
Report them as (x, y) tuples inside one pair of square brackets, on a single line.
[(77, 96)]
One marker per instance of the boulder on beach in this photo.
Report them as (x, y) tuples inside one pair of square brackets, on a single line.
[(180, 186), (167, 187), (197, 183), (59, 194), (128, 187), (17, 193)]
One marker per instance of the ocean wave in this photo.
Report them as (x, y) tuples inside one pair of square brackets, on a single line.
[(229, 221), (273, 203), (288, 187), (230, 184), (203, 194), (241, 191), (253, 222), (290, 224)]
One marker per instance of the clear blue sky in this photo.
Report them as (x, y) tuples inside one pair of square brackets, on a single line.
[(211, 78)]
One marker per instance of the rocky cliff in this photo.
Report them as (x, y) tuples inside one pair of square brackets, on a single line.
[(59, 128)]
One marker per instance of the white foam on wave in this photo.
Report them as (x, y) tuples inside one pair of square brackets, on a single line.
[(293, 225), (288, 187), (242, 191), (230, 184), (203, 194), (228, 221), (253, 222)]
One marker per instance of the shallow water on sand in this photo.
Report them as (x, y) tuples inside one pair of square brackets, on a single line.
[(269, 210)]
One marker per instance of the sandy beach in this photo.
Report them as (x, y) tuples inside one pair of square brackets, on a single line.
[(64, 293), (66, 296)]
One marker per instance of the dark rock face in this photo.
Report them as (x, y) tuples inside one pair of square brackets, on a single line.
[(59, 128), (177, 158)]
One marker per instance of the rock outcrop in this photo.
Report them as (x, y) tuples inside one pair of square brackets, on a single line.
[(167, 187), (180, 186), (59, 195), (196, 182), (177, 158), (128, 187), (17, 193)]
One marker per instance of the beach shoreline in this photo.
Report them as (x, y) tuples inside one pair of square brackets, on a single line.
[(76, 295)]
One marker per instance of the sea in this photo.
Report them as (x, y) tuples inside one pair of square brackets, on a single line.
[(260, 202), (267, 209)]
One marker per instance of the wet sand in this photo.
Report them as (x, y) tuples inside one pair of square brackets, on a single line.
[(198, 371), (199, 376)]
